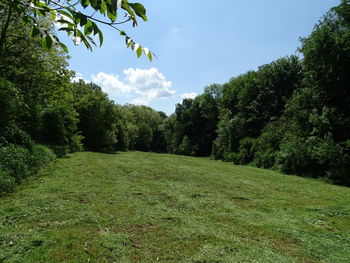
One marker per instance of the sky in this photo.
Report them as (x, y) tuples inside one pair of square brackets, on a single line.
[(198, 43)]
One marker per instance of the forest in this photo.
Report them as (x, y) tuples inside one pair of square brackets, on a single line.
[(292, 115)]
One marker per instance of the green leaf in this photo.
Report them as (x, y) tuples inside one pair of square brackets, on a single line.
[(91, 40), (95, 27), (88, 28), (83, 20), (140, 10), (64, 47), (88, 46), (126, 7), (67, 29), (85, 3), (63, 21), (41, 12), (103, 7), (100, 36), (26, 19), (112, 16), (54, 39), (65, 13), (139, 51), (128, 41), (85, 39), (114, 4), (53, 16), (46, 42), (34, 31), (93, 3), (122, 33), (149, 55)]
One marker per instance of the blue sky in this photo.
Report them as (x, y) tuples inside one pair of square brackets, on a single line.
[(197, 43)]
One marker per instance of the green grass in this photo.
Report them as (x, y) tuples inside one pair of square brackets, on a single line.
[(146, 207)]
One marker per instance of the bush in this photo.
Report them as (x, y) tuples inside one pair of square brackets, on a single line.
[(7, 182), (40, 157), (293, 157), (60, 150), (16, 161), (185, 147), (265, 159), (231, 157), (76, 144), (339, 170), (246, 150)]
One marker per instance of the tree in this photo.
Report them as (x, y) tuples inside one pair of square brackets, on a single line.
[(327, 63), (42, 80), (192, 129), (145, 127), (97, 117), (73, 18)]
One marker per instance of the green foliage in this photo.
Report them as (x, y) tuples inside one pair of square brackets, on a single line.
[(105, 126), (145, 128), (56, 124), (11, 103), (339, 169), (19, 162), (7, 182), (197, 120), (75, 144), (185, 147), (71, 18), (223, 143), (40, 156), (246, 151), (40, 89), (60, 150), (268, 144), (293, 115), (15, 160), (97, 116)]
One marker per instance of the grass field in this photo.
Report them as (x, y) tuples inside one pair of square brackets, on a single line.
[(146, 207)]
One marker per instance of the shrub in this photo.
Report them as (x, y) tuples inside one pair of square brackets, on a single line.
[(76, 144), (339, 168), (16, 161), (265, 159), (185, 147), (231, 157), (246, 150), (40, 157), (293, 157), (7, 182), (60, 150)]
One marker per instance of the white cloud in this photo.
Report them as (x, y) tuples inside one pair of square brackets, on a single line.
[(191, 95), (141, 101), (110, 83), (147, 84)]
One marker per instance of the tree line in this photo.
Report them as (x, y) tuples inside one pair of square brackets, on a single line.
[(292, 114)]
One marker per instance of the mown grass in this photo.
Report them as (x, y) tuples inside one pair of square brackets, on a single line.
[(146, 207)]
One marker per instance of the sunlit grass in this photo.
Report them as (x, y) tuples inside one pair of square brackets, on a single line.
[(146, 207)]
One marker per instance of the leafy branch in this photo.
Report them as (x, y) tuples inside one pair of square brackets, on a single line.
[(77, 24)]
